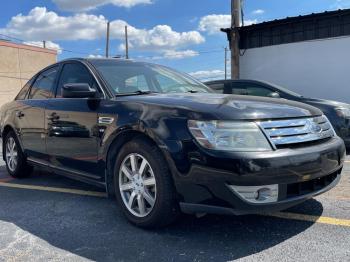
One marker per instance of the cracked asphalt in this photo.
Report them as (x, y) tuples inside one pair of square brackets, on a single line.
[(42, 225)]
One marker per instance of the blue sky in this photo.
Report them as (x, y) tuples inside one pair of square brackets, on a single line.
[(179, 33)]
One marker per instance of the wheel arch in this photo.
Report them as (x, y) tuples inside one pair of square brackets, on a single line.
[(116, 143)]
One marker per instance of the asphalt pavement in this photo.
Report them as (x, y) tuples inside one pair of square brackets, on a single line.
[(51, 218)]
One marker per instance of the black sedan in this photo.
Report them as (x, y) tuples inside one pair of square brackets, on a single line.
[(162, 142), (338, 113)]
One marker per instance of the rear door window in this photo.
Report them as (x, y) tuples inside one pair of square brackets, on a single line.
[(24, 91), (44, 84)]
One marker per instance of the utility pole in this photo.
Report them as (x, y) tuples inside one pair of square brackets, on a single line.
[(44, 44), (234, 43), (226, 63), (126, 43), (107, 40)]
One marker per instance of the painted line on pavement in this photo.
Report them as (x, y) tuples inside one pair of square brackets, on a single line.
[(310, 218), (55, 189), (283, 215), (6, 179)]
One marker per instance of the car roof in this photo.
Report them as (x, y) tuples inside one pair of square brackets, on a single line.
[(104, 59), (96, 58), (234, 80), (252, 81)]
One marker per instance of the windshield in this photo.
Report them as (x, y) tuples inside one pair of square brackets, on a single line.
[(125, 77)]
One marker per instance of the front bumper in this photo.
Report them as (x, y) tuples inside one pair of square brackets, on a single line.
[(250, 208), (301, 173)]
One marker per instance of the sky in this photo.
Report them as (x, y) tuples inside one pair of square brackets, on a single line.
[(183, 34)]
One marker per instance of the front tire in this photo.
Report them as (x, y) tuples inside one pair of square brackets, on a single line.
[(15, 160), (144, 186)]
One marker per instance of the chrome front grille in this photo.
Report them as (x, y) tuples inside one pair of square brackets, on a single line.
[(294, 131)]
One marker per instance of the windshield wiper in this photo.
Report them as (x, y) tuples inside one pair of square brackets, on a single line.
[(192, 91), (138, 92)]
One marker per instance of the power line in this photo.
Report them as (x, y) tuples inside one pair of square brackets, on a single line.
[(195, 53), (164, 56), (86, 53), (37, 45)]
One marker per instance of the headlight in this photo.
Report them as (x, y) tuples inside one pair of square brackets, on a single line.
[(343, 112), (229, 136)]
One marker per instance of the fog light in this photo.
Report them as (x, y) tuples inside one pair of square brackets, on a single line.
[(263, 194), (256, 194)]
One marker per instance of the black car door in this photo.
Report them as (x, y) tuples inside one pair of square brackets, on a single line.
[(30, 115), (71, 124)]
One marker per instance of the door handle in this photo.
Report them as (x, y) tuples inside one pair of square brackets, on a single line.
[(19, 114), (53, 116)]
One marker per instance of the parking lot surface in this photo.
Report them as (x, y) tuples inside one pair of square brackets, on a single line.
[(51, 218)]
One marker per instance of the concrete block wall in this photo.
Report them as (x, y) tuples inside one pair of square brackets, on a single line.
[(18, 63)]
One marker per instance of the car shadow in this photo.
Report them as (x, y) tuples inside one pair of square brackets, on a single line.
[(94, 228)]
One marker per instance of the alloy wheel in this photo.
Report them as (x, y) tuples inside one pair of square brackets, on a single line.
[(11, 154), (137, 185)]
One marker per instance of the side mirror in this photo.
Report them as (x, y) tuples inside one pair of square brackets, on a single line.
[(79, 90), (274, 95)]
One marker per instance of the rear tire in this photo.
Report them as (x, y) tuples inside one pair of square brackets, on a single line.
[(142, 175), (15, 160)]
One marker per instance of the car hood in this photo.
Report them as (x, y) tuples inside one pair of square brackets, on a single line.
[(323, 102), (224, 107)]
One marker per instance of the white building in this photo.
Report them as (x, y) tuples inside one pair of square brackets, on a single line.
[(307, 54)]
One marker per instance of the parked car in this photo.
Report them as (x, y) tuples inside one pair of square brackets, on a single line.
[(338, 113), (162, 142)]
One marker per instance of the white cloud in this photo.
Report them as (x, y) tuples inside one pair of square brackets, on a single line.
[(41, 24), (173, 54), (208, 75), (48, 44), (258, 12), (250, 22), (213, 23), (95, 56), (159, 37), (84, 5), (340, 4)]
